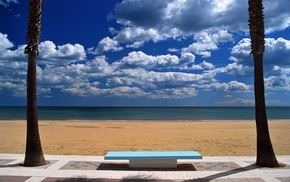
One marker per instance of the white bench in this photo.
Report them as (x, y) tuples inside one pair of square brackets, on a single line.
[(153, 159)]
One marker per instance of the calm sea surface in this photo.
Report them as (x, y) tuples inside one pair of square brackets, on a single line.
[(143, 113)]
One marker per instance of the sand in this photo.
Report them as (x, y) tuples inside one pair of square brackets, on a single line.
[(210, 138)]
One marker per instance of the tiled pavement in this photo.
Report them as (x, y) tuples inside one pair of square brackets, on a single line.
[(94, 168)]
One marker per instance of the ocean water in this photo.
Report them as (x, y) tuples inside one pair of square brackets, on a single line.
[(143, 113)]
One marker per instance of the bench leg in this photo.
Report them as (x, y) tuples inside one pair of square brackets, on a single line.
[(171, 163)]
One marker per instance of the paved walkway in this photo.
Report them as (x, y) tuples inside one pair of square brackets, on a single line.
[(94, 168)]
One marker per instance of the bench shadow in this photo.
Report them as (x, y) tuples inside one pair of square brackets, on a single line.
[(224, 174), (125, 167), (139, 178)]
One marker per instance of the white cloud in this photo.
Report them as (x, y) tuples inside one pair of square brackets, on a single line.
[(9, 85), (144, 21), (276, 57), (105, 45), (125, 91), (91, 90), (227, 87), (207, 42), (241, 52), (202, 66), (277, 52), (238, 70), (173, 93), (135, 45), (5, 50), (194, 16), (49, 53), (278, 82), (13, 64), (140, 59), (173, 50), (203, 49), (66, 54), (13, 77), (75, 74), (139, 35), (135, 75), (276, 62), (4, 42), (276, 15)]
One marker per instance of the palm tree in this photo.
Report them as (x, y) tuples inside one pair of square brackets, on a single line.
[(33, 155), (265, 153)]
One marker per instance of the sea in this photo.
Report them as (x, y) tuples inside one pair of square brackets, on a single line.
[(142, 113)]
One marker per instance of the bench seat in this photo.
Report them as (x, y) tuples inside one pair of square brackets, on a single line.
[(153, 159)]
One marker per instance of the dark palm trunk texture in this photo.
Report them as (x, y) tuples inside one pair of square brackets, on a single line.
[(33, 155), (265, 153)]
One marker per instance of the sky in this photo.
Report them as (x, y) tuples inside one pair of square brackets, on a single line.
[(144, 53)]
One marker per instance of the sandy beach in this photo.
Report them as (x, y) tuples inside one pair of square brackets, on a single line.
[(210, 138)]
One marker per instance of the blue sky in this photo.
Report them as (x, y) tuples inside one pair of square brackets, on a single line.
[(144, 53)]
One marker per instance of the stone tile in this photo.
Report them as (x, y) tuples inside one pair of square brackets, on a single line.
[(216, 166), (5, 161), (226, 180), (81, 165), (14, 178), (284, 179), (285, 166)]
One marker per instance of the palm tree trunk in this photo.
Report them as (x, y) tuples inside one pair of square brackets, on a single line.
[(33, 155), (265, 153)]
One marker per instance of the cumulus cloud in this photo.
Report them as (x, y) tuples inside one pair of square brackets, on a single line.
[(6, 52), (276, 62), (173, 50), (13, 65), (203, 49), (105, 45), (140, 59), (228, 87), (276, 56), (276, 21), (135, 75), (5, 43), (189, 17), (98, 77), (202, 66), (281, 82), (13, 77), (12, 69), (173, 93), (207, 42), (51, 54), (147, 21), (210, 22), (138, 34)]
